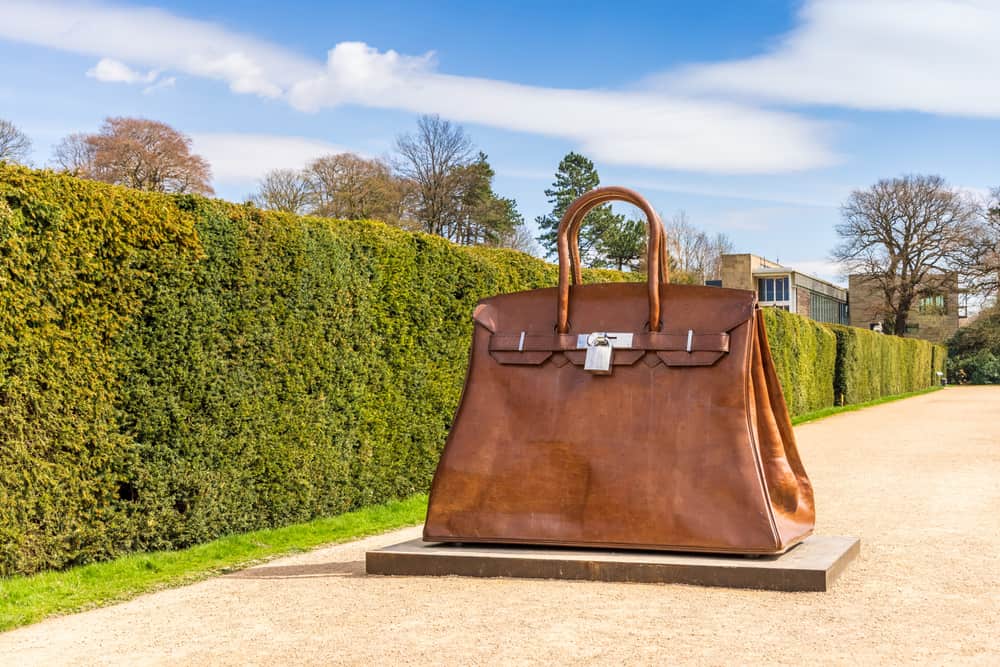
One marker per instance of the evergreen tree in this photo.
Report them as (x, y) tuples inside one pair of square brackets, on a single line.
[(480, 216), (623, 245), (575, 176)]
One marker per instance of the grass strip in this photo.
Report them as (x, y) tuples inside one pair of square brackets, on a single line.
[(29, 599), (837, 409)]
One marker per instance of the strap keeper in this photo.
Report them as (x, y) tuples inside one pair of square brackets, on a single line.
[(690, 339)]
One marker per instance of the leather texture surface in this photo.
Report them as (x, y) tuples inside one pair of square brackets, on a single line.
[(687, 445)]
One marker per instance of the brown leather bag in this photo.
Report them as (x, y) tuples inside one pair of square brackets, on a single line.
[(624, 415)]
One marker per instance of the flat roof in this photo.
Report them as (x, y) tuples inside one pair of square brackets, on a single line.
[(830, 289)]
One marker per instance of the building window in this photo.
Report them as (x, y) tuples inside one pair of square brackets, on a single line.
[(825, 309), (771, 290), (932, 305), (912, 328)]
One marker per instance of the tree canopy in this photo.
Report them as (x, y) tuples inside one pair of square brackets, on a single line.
[(138, 153), (437, 184), (902, 234), (606, 239)]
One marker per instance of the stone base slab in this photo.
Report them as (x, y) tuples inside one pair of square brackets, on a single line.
[(812, 565)]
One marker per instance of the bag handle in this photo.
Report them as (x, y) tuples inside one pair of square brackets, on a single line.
[(576, 264), (569, 228)]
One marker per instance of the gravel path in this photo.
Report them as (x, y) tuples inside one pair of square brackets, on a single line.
[(918, 480)]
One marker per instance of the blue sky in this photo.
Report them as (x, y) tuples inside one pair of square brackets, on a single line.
[(756, 118)]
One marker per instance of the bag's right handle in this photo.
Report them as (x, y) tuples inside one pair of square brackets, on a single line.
[(569, 228)]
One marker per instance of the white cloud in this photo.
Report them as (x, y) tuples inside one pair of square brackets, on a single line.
[(167, 82), (935, 56), (632, 128), (151, 37), (110, 70), (823, 269), (623, 127), (804, 196), (245, 158)]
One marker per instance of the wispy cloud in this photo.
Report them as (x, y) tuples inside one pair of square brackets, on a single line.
[(824, 269), (151, 37), (640, 128), (244, 158), (828, 198), (632, 128), (161, 84), (110, 70), (935, 56)]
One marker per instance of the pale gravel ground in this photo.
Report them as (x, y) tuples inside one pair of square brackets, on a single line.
[(917, 480)]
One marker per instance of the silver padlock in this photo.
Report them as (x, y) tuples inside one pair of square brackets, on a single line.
[(599, 351)]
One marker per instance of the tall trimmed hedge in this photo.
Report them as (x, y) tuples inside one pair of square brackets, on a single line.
[(871, 365), (174, 368), (804, 354)]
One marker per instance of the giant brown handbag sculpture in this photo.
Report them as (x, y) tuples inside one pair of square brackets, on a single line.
[(624, 415)]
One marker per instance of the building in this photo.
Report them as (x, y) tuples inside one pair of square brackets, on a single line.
[(935, 316), (782, 287)]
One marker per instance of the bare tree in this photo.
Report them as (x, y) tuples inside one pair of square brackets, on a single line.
[(137, 153), (75, 155), (351, 187), (284, 190), (902, 234), (686, 245), (429, 159), (693, 254), (520, 238), (980, 267), (717, 246), (15, 146)]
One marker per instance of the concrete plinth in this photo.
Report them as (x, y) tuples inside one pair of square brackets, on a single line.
[(813, 565)]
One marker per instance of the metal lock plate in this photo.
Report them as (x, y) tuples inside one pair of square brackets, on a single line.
[(599, 354)]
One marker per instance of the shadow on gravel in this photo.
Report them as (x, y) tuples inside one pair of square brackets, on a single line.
[(354, 568)]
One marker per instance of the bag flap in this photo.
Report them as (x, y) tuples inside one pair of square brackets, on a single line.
[(618, 307)]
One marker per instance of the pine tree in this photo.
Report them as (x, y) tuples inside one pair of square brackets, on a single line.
[(575, 176), (623, 245)]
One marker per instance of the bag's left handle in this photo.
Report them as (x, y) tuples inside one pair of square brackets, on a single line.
[(568, 228)]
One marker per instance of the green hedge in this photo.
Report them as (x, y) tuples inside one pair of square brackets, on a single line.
[(804, 353), (173, 368), (871, 365)]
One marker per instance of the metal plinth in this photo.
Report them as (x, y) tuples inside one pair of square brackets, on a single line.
[(813, 565)]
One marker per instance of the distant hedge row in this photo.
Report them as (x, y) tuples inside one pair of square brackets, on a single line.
[(870, 365), (173, 368), (822, 365)]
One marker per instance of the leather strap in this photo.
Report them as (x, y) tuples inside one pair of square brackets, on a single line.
[(569, 228), (574, 254), (653, 342)]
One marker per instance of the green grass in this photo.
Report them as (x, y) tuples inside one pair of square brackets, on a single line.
[(29, 599), (836, 410)]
